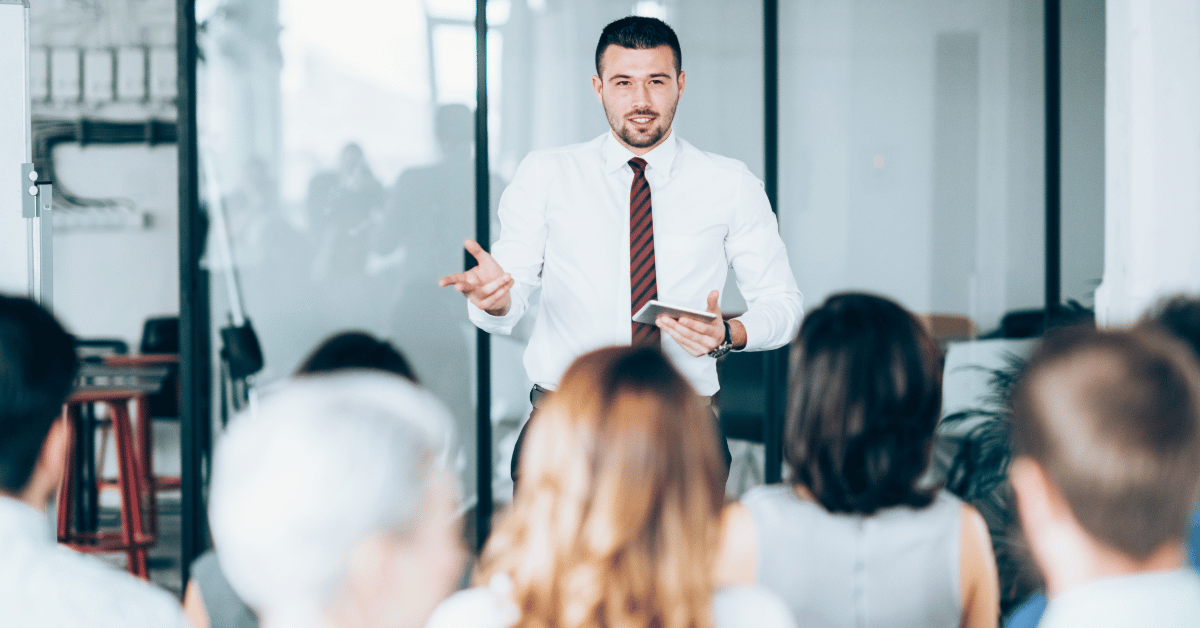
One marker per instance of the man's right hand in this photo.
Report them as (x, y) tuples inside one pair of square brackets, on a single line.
[(486, 285)]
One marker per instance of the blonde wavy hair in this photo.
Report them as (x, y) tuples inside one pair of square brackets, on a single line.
[(617, 520)]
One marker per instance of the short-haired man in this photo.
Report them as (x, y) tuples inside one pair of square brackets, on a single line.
[(43, 584), (577, 222), (1106, 469)]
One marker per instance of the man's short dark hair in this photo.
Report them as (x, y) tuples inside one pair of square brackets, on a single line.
[(1179, 315), (37, 370), (1113, 419), (865, 397), (638, 33)]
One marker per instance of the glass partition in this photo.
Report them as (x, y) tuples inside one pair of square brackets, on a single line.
[(911, 152), (341, 150)]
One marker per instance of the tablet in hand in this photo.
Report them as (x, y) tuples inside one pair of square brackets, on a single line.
[(651, 310)]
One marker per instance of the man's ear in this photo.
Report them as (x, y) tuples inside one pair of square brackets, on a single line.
[(682, 76), (1036, 491), (1029, 483), (48, 470), (1042, 508), (598, 87)]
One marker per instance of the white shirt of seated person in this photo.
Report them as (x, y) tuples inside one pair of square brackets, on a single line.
[(47, 585)]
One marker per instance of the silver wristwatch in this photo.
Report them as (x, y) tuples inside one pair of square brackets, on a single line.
[(724, 347)]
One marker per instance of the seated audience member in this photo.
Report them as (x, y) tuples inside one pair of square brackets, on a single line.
[(43, 584), (1106, 470), (209, 601), (1180, 316), (330, 504), (618, 517), (356, 350), (855, 540)]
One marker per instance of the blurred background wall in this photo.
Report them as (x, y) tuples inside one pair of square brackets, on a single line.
[(116, 251)]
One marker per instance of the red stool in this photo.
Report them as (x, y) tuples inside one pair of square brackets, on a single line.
[(145, 427), (133, 538)]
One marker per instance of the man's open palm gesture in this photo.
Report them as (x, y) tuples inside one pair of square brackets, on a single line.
[(486, 285)]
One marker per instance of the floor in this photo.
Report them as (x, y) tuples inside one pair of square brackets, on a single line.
[(164, 559)]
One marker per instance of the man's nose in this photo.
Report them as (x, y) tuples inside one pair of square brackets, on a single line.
[(642, 95)]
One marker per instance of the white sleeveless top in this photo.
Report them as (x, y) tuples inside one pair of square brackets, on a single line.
[(896, 568)]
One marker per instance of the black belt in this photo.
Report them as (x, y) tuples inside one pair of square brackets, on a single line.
[(537, 396)]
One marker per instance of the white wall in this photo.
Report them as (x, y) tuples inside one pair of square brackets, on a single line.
[(14, 149), (892, 183), (877, 192), (108, 282), (1152, 144)]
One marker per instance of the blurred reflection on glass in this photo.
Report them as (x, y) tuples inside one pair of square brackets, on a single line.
[(344, 205), (309, 111), (429, 212)]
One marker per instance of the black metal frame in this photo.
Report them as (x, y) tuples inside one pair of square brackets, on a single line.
[(1052, 23), (483, 340), (195, 378), (775, 362)]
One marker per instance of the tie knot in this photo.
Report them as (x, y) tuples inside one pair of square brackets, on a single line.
[(638, 164)]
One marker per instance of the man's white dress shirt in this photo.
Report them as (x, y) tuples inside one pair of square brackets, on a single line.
[(565, 228), (47, 585), (1160, 599)]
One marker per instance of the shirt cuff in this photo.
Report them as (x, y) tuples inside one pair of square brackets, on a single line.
[(502, 325), (755, 331), (770, 325)]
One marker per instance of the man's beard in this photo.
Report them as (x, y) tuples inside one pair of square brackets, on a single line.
[(632, 138)]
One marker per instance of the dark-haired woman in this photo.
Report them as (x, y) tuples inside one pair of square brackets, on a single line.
[(855, 540)]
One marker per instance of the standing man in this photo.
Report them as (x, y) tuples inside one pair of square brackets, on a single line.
[(633, 215)]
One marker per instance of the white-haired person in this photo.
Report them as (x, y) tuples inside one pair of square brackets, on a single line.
[(331, 504), (618, 518), (209, 601)]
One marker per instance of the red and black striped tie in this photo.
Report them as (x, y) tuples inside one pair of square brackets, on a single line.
[(643, 284)]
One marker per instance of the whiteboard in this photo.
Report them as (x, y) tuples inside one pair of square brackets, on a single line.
[(15, 143)]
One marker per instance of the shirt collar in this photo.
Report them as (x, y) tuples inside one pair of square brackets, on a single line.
[(1116, 594), (659, 160), (20, 520)]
